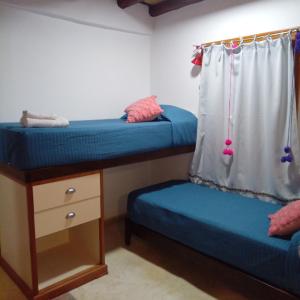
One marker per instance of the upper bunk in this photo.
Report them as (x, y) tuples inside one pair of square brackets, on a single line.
[(32, 154)]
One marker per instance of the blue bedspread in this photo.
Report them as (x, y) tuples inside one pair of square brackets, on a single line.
[(29, 148), (224, 225)]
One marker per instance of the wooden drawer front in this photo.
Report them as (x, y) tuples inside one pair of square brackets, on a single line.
[(58, 193), (53, 220)]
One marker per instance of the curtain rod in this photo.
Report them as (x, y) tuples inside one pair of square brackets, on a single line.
[(252, 37)]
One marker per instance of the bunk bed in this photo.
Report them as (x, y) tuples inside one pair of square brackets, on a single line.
[(51, 183)]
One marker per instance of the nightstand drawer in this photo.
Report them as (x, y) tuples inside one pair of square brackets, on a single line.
[(58, 193), (60, 218)]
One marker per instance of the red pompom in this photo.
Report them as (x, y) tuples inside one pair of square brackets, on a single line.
[(198, 59)]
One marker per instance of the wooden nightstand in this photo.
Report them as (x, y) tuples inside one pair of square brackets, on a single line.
[(52, 233)]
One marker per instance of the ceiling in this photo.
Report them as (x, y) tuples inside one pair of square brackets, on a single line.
[(158, 7), (152, 1)]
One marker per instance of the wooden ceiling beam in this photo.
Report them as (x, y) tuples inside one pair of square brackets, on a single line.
[(168, 5), (127, 3)]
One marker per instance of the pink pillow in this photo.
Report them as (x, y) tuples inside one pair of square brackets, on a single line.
[(143, 110), (285, 221)]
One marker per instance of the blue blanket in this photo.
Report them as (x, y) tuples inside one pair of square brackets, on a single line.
[(29, 148), (224, 225)]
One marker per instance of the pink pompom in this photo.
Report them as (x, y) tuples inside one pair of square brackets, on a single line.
[(235, 44), (230, 152), (228, 142)]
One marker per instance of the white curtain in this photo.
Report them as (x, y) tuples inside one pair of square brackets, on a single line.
[(263, 103)]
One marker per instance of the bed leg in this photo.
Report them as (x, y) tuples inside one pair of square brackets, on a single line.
[(128, 232)]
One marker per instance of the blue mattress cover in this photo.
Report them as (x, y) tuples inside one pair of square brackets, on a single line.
[(224, 225), (30, 148)]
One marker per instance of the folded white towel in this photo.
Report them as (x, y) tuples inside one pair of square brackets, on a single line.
[(58, 122), (27, 114)]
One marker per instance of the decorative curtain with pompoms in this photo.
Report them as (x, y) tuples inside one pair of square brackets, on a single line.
[(247, 130)]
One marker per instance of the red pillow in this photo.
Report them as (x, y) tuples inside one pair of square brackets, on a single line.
[(143, 110), (285, 221)]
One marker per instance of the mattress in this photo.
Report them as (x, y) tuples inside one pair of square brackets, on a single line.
[(31, 148), (227, 226)]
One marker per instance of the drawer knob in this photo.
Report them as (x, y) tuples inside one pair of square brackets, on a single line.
[(70, 191), (70, 215)]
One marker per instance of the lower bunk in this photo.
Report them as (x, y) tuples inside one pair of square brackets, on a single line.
[(225, 226)]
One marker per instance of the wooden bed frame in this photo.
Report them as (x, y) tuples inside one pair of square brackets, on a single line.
[(146, 233), (28, 176)]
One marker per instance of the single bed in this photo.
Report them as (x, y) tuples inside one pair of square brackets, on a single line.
[(226, 226), (86, 141)]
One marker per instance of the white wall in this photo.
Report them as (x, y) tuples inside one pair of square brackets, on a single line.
[(57, 57), (173, 77), (169, 168), (84, 59)]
